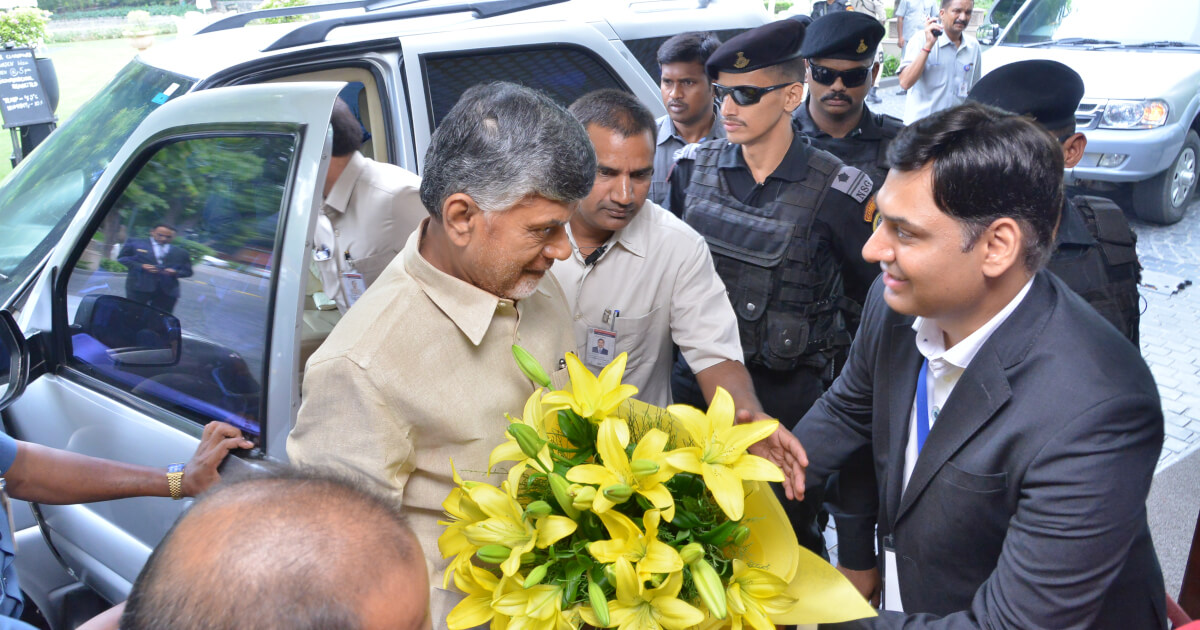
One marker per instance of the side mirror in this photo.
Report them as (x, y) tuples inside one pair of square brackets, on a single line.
[(987, 34), (132, 334), (14, 360)]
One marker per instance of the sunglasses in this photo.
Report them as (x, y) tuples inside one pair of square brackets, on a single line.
[(850, 78), (744, 94)]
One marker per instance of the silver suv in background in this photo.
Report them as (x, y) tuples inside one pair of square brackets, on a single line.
[(225, 135), (1141, 70)]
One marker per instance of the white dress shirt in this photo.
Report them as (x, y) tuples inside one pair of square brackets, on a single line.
[(946, 365), (948, 75), (659, 274)]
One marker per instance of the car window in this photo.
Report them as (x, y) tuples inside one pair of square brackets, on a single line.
[(170, 298), (43, 193), (646, 49), (564, 74), (1057, 20)]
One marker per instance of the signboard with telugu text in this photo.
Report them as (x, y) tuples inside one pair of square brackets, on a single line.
[(23, 101)]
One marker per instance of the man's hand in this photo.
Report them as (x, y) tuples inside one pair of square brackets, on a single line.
[(201, 472), (866, 582), (900, 43), (931, 25), (169, 271), (782, 449), (148, 268)]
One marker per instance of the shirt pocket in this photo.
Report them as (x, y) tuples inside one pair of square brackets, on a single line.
[(631, 337), (372, 266)]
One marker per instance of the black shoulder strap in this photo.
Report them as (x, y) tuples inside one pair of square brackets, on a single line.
[(1108, 225)]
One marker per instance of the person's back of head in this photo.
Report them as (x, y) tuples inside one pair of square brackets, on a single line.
[(347, 131), (986, 164), (287, 551), (502, 143)]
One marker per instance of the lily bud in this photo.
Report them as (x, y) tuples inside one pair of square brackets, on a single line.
[(618, 493), (562, 493), (709, 586), (536, 575), (691, 552), (599, 603), (530, 367), (494, 554), (538, 509), (643, 468), (740, 534), (527, 438), (583, 498)]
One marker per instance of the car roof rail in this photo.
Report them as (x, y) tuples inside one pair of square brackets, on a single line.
[(238, 20), (316, 32)]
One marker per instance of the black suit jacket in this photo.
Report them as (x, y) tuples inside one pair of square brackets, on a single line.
[(1026, 507), (139, 251)]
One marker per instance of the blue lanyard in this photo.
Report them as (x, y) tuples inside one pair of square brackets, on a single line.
[(922, 406)]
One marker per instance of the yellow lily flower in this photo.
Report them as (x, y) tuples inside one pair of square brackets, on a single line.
[(720, 453), (591, 397), (753, 595), (507, 525), (537, 416), (463, 512), (480, 587), (535, 608), (639, 608), (646, 478), (645, 550)]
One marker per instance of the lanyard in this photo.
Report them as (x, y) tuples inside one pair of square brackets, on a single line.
[(922, 406)]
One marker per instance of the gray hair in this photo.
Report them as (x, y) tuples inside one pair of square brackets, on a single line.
[(502, 143)]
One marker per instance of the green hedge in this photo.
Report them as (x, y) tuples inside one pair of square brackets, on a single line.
[(115, 32), (67, 6)]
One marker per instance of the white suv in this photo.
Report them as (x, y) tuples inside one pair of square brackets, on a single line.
[(225, 136)]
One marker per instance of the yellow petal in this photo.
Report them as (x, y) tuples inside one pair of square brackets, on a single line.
[(651, 445), (675, 614), (721, 411), (592, 474), (693, 421), (628, 586), (756, 468), (610, 376), (660, 558), (551, 529), (661, 498), (583, 384), (612, 453), (686, 459), (508, 451), (452, 542), (726, 488), (469, 613), (608, 551), (742, 436), (494, 502)]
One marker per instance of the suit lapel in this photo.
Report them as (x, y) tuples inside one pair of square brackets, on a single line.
[(980, 392), (904, 362)]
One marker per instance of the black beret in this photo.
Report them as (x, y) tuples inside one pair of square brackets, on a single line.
[(843, 35), (1047, 90), (761, 47)]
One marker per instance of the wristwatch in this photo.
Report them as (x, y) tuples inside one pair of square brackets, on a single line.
[(175, 480)]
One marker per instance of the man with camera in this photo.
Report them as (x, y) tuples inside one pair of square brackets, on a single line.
[(939, 69)]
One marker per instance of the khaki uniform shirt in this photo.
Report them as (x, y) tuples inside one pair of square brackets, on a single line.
[(418, 372), (659, 274), (366, 218)]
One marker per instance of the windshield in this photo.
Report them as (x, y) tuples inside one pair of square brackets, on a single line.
[(1116, 21), (40, 197)]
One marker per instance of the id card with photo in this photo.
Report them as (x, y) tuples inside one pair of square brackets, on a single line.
[(353, 287), (601, 347)]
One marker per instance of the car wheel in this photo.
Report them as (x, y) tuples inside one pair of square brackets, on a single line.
[(1165, 197)]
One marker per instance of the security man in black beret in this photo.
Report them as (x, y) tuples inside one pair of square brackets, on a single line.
[(786, 224), (1095, 249), (840, 51)]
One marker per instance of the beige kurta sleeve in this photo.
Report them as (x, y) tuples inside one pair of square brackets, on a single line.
[(345, 421)]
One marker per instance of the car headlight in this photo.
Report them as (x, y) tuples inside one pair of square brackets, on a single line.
[(1145, 114)]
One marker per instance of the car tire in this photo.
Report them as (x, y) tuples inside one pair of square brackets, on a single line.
[(1165, 197)]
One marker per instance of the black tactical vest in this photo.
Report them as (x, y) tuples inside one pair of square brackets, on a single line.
[(790, 306), (1105, 274)]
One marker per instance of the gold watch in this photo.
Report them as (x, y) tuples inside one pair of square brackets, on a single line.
[(175, 480)]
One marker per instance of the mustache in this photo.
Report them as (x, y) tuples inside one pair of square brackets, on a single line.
[(734, 119), (675, 101), (623, 207), (836, 96)]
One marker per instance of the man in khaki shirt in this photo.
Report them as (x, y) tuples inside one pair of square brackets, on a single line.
[(370, 209), (420, 370), (639, 278)]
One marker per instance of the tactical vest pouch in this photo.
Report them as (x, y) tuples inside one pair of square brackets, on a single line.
[(787, 336)]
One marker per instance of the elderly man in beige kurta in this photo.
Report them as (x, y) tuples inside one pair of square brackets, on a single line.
[(420, 372)]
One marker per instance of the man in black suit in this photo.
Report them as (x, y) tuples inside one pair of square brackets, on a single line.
[(155, 267), (1014, 432)]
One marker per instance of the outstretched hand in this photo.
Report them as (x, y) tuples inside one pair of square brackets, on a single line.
[(201, 472), (782, 449)]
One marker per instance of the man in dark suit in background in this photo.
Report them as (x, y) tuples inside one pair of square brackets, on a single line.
[(155, 268), (1014, 431)]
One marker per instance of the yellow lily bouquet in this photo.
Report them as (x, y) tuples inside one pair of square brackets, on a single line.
[(621, 515)]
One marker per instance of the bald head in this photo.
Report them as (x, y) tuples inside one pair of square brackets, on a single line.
[(293, 550)]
